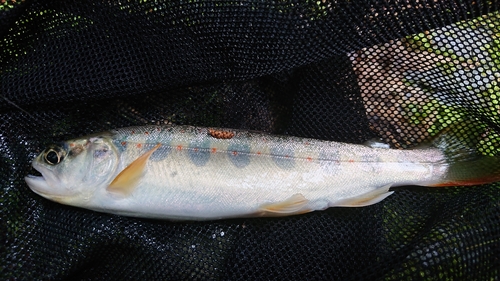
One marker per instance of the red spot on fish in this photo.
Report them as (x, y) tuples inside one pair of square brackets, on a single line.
[(309, 159), (72, 144), (195, 149), (259, 153), (287, 156), (235, 153), (133, 132), (307, 143), (139, 145), (179, 147), (158, 129), (123, 143), (351, 161), (146, 133), (214, 150)]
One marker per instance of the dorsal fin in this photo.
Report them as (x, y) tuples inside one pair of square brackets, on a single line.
[(125, 182)]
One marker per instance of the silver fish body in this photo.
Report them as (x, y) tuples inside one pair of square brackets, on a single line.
[(193, 173)]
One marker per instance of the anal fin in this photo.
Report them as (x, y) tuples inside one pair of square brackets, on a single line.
[(366, 199), (291, 206), (125, 182)]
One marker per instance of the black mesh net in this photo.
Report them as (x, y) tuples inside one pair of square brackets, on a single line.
[(334, 70)]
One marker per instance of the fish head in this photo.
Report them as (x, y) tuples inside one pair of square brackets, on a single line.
[(75, 170)]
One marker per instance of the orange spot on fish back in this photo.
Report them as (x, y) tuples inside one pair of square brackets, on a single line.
[(235, 153), (123, 143), (146, 133), (220, 134), (195, 149), (259, 153), (309, 159), (214, 150), (72, 144), (139, 145), (351, 161), (179, 147)]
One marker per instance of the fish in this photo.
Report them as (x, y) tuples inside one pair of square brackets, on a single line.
[(194, 173)]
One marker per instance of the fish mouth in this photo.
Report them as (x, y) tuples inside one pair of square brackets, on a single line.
[(38, 184)]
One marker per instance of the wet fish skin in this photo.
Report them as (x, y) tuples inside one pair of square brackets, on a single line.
[(194, 173)]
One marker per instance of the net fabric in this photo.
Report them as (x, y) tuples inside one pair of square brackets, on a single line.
[(334, 70)]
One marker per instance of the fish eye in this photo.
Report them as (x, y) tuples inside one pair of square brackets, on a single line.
[(53, 156)]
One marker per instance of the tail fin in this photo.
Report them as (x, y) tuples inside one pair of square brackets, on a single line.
[(467, 166), (484, 169)]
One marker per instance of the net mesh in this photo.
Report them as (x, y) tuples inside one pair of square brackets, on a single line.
[(346, 71)]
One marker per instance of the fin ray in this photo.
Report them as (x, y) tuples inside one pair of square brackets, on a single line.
[(293, 205), (366, 199), (484, 169), (125, 182)]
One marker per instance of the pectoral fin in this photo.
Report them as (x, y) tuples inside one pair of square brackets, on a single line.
[(291, 206), (125, 182), (366, 199)]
